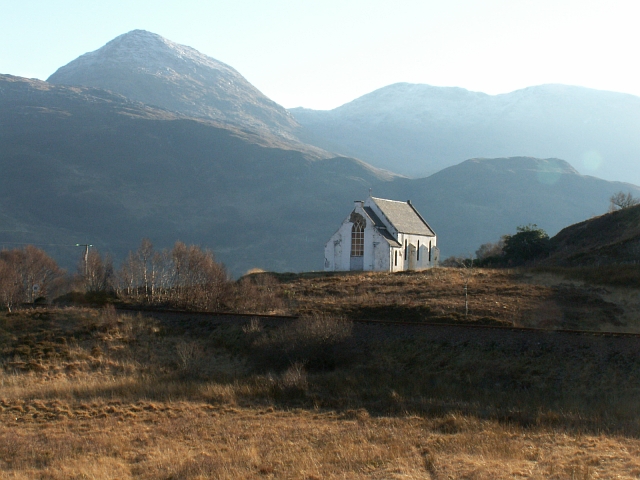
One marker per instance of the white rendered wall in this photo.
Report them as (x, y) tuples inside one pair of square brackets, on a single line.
[(337, 251), (422, 261)]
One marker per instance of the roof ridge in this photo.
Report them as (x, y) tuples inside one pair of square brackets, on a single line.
[(388, 200)]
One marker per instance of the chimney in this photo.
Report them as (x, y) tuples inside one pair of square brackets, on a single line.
[(358, 203)]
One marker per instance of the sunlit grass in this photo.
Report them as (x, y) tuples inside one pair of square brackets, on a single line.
[(96, 394)]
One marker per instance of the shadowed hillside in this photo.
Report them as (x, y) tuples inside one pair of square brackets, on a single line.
[(609, 239), (83, 165), (479, 200)]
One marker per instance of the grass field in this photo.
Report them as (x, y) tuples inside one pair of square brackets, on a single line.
[(541, 298), (93, 393)]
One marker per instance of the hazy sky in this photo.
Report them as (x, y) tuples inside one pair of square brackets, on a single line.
[(321, 54)]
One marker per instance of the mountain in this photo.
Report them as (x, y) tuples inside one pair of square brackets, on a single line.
[(83, 165), (146, 67), (479, 200), (416, 130)]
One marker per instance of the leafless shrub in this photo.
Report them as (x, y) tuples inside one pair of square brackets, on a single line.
[(292, 383), (621, 201), (109, 316), (189, 355), (294, 377), (253, 327), (310, 340), (258, 293)]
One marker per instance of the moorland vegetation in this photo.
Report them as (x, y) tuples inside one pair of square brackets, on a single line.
[(90, 389), (102, 393)]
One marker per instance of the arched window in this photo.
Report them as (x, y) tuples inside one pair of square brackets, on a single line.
[(418, 252), (357, 237)]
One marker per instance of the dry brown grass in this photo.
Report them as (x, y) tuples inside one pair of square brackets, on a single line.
[(194, 440), (496, 296), (95, 394)]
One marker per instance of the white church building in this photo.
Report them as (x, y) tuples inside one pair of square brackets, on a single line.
[(382, 235)]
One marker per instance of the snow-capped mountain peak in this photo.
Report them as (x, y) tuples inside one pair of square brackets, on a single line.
[(146, 67)]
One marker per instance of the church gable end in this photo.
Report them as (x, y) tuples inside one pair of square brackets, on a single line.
[(382, 235)]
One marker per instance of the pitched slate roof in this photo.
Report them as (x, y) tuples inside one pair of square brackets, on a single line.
[(381, 227), (403, 216)]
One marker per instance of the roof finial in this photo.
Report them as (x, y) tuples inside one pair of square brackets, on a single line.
[(369, 191)]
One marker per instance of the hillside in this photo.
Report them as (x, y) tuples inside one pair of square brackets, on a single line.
[(83, 165), (479, 200), (609, 239), (417, 129), (146, 67), (498, 297)]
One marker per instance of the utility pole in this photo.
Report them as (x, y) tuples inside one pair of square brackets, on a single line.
[(86, 256)]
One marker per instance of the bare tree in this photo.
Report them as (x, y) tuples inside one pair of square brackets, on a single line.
[(127, 277), (97, 273), (36, 271), (162, 272), (199, 281), (137, 272), (185, 276), (145, 254), (621, 201), (490, 249), (11, 289)]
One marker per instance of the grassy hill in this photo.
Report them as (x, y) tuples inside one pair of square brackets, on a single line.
[(99, 393), (609, 239)]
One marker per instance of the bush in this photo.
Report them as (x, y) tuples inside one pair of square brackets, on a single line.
[(257, 293), (528, 244), (311, 341)]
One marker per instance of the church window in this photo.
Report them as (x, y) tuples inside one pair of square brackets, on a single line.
[(418, 252), (396, 261), (357, 237)]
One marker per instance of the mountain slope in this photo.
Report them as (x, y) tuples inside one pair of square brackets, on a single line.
[(81, 165), (613, 238), (146, 67), (479, 200), (419, 129)]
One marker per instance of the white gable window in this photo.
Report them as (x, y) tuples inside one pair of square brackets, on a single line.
[(357, 236)]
